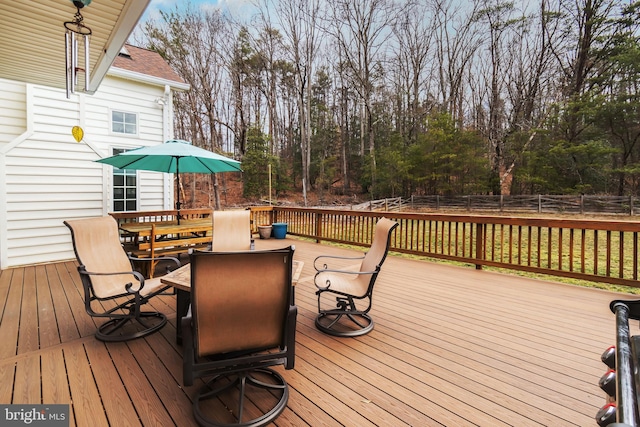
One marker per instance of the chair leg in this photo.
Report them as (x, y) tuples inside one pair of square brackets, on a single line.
[(225, 386), (329, 321), (109, 331)]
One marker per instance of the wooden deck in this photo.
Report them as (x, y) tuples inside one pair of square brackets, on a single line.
[(452, 346)]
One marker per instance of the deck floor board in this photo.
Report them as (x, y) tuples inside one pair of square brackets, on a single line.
[(452, 346)]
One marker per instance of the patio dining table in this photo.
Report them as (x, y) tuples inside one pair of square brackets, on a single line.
[(180, 279)]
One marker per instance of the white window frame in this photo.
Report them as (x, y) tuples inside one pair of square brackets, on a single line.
[(116, 171), (127, 114)]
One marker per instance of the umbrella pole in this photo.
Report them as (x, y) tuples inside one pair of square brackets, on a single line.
[(178, 182)]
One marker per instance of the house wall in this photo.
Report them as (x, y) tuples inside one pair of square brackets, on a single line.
[(47, 177)]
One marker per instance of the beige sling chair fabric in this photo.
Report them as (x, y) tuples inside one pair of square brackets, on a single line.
[(347, 286), (107, 274), (231, 231)]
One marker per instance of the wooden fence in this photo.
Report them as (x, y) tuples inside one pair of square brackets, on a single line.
[(626, 205), (594, 250)]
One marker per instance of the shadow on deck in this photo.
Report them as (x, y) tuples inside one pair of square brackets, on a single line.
[(452, 346)]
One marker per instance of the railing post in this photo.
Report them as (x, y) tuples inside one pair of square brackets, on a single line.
[(480, 236), (319, 219)]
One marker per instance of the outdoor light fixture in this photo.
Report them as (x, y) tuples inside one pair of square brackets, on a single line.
[(74, 30)]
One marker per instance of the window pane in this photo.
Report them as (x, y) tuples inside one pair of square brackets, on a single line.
[(118, 206), (131, 205), (131, 193), (117, 116), (118, 179), (118, 193), (118, 127), (131, 180)]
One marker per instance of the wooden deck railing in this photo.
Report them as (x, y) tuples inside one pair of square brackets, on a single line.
[(594, 250)]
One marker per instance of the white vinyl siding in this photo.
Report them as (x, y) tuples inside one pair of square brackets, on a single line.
[(48, 177), (12, 110)]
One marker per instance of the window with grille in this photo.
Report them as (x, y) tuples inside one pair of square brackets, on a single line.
[(125, 188), (122, 122)]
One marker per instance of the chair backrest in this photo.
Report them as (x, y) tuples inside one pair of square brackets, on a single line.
[(96, 243), (240, 300), (379, 245), (231, 231)]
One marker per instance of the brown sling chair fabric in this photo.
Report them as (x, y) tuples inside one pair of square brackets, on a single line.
[(231, 231), (107, 274), (347, 286), (241, 321)]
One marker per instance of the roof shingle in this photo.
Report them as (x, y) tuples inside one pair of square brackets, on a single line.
[(147, 62)]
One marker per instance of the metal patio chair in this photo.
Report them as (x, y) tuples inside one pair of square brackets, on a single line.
[(112, 289), (241, 322), (350, 285)]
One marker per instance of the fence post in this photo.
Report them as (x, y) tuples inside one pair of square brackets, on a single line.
[(437, 201), (581, 203), (539, 203), (631, 205), (501, 202)]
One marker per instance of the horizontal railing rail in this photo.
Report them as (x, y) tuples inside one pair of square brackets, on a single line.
[(594, 250)]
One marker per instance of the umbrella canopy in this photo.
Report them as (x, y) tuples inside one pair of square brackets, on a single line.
[(174, 156)]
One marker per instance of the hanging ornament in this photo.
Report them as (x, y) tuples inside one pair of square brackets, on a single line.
[(77, 133), (76, 30)]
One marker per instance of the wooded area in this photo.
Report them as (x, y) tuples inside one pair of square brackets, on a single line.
[(424, 97)]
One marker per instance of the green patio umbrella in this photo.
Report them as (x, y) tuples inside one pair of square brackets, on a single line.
[(174, 156)]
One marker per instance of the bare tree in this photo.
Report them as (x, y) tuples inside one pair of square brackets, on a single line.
[(456, 41), (361, 29), (299, 21), (190, 41), (414, 32)]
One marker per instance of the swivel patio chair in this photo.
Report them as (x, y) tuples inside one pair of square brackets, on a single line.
[(241, 322), (231, 231), (349, 285), (110, 282)]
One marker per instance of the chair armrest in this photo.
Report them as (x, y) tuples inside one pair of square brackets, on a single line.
[(331, 257), (338, 272), (174, 260), (158, 258), (128, 287)]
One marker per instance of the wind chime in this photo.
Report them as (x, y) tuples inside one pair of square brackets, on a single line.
[(76, 30)]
